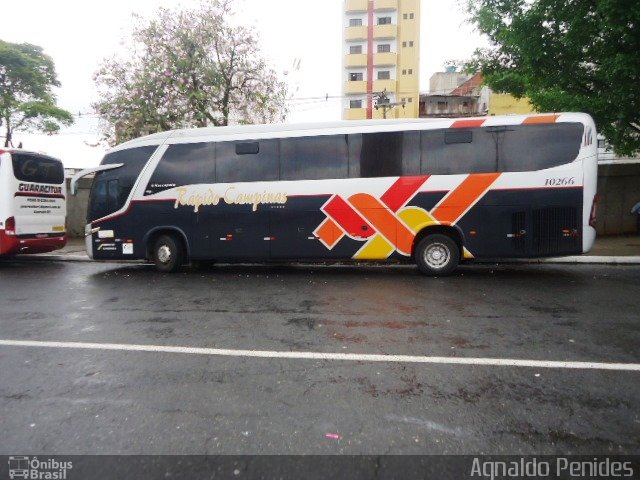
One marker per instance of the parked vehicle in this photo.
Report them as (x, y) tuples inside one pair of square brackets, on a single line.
[(32, 203), (433, 192)]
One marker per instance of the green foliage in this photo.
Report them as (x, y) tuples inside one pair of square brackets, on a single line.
[(188, 68), (27, 102), (567, 55)]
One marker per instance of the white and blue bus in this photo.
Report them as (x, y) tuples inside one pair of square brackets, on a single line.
[(430, 192), (32, 203)]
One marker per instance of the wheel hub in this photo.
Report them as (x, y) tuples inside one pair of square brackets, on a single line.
[(164, 254), (437, 255)]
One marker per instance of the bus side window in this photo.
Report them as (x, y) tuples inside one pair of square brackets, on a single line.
[(536, 147), (450, 152), (313, 158), (381, 154), (411, 153), (384, 154), (183, 164), (354, 142), (263, 166)]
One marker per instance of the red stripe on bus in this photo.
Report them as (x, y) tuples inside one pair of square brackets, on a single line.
[(47, 195), (471, 123), (402, 191), (345, 216)]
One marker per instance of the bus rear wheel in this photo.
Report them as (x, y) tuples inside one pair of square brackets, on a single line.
[(168, 253), (437, 255)]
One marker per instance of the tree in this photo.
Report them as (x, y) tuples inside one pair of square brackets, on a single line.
[(567, 55), (27, 102), (188, 68)]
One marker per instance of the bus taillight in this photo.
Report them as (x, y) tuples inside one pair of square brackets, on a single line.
[(594, 208), (10, 226)]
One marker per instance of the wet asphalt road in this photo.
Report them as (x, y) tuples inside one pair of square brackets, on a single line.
[(73, 401)]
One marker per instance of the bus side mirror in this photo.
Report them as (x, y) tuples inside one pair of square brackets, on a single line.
[(76, 178)]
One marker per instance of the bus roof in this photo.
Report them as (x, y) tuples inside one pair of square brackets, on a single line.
[(11, 150), (281, 130)]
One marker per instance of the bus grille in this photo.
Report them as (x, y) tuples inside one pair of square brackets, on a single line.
[(555, 231)]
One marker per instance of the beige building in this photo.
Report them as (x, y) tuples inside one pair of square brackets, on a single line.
[(381, 59)]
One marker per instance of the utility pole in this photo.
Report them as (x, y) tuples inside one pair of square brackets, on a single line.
[(383, 102)]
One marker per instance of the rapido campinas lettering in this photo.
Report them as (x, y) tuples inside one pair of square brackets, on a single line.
[(231, 196)]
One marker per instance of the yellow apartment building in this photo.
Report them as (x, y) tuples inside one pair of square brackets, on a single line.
[(381, 54)]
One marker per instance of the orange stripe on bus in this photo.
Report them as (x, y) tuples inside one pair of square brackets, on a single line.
[(465, 195), (540, 119), (329, 232), (384, 221)]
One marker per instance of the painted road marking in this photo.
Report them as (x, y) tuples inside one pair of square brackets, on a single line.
[(351, 357)]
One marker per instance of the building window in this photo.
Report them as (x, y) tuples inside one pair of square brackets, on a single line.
[(355, 103), (384, 48), (404, 44), (410, 100), (404, 71), (411, 43), (355, 22), (404, 16), (410, 71), (384, 20), (355, 49), (384, 75), (355, 77), (411, 16)]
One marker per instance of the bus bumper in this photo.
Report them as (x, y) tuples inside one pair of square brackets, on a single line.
[(588, 238), (27, 244)]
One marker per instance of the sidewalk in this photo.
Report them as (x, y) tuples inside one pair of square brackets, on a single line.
[(623, 249)]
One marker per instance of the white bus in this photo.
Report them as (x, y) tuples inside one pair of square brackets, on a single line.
[(431, 192), (32, 203)]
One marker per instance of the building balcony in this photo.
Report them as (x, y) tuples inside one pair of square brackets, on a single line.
[(352, 34), (380, 85), (358, 86), (385, 31), (354, 114), (355, 60), (381, 5), (385, 59), (355, 6)]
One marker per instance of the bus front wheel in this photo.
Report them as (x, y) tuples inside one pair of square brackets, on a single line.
[(437, 254), (168, 253)]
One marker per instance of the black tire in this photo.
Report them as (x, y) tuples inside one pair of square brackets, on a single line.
[(168, 253), (437, 255)]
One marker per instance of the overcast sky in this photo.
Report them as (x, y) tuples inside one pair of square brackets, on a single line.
[(79, 34)]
